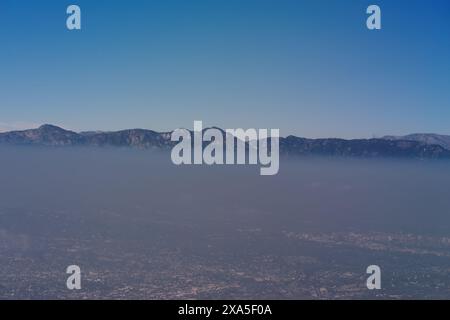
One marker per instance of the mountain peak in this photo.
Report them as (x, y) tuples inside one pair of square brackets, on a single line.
[(48, 127)]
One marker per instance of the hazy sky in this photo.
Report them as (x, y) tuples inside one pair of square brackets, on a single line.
[(310, 68)]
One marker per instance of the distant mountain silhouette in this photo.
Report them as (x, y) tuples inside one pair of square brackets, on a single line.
[(361, 148), (414, 146), (46, 135), (428, 138), (50, 135)]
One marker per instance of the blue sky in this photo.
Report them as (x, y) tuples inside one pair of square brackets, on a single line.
[(310, 68)]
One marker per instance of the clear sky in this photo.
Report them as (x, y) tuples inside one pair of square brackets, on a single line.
[(310, 68)]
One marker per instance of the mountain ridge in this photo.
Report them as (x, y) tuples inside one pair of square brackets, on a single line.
[(428, 138), (389, 146)]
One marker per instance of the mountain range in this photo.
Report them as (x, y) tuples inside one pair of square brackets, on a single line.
[(412, 146)]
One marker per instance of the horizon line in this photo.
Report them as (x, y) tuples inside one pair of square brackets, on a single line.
[(36, 126)]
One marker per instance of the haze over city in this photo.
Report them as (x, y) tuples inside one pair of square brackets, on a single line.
[(359, 150)]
